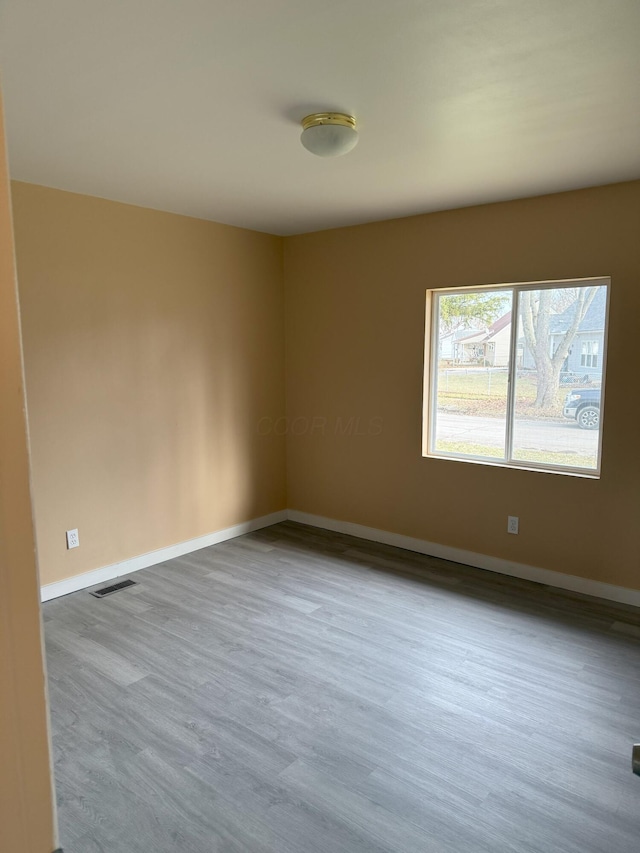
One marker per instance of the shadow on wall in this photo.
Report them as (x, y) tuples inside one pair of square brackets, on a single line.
[(153, 345)]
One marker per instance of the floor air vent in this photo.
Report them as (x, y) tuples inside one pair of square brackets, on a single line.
[(116, 587)]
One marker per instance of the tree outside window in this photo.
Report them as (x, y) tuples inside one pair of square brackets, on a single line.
[(515, 374)]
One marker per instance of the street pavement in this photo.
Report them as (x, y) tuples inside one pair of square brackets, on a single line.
[(529, 435)]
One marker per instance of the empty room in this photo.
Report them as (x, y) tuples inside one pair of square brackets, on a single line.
[(319, 455)]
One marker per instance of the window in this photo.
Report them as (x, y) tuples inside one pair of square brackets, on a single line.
[(589, 357), (514, 375)]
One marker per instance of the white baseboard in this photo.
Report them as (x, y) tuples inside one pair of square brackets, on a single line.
[(107, 573), (547, 577)]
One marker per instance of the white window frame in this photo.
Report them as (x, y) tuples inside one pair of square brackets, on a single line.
[(430, 391)]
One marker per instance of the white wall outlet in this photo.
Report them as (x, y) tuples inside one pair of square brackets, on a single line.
[(512, 524), (73, 540)]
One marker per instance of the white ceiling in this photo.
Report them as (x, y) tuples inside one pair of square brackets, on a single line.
[(193, 106)]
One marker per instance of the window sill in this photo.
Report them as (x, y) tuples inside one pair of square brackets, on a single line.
[(583, 473)]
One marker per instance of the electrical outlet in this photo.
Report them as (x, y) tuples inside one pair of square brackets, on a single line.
[(73, 540), (512, 524)]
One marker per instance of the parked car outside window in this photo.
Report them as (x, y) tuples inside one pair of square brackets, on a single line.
[(583, 405)]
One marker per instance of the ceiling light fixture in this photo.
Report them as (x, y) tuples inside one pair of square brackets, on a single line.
[(329, 134)]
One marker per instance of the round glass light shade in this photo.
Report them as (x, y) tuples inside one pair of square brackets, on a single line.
[(327, 136)]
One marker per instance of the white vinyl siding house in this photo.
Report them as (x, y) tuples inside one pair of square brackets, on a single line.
[(489, 348), (584, 361)]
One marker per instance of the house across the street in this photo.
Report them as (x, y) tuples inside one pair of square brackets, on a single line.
[(584, 359), (489, 348)]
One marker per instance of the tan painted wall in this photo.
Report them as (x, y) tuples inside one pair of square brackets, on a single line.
[(154, 353), (26, 810), (355, 330), (153, 346)]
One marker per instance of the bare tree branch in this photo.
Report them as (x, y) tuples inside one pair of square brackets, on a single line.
[(584, 299), (536, 310)]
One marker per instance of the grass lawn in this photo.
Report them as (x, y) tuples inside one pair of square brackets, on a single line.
[(484, 392), (548, 457)]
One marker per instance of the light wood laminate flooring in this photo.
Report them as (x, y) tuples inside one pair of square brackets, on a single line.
[(300, 691)]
